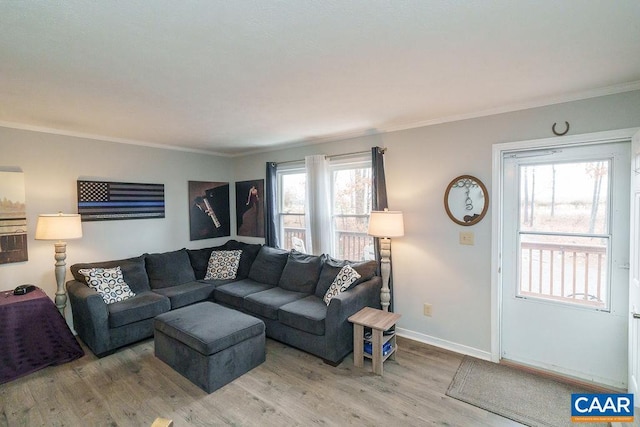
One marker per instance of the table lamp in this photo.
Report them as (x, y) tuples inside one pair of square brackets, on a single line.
[(59, 227), (385, 224)]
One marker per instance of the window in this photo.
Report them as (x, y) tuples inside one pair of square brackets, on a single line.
[(351, 187), (291, 201), (564, 232)]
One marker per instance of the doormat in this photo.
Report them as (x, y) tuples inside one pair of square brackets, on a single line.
[(525, 397)]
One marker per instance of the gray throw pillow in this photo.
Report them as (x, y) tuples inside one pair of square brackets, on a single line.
[(301, 272), (169, 269), (366, 270), (330, 269), (268, 266)]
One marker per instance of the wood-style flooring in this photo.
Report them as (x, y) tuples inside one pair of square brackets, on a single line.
[(132, 388)]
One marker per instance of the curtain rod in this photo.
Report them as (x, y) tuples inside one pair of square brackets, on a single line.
[(332, 156)]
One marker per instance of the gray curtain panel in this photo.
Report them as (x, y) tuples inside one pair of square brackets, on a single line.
[(271, 215)]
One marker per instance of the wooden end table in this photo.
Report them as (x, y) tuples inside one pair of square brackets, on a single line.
[(379, 321)]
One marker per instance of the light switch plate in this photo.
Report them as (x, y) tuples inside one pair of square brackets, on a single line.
[(466, 238), (426, 310)]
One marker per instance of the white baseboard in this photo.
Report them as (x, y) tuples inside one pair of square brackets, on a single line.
[(447, 345)]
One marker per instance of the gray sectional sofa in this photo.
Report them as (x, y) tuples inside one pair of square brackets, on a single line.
[(283, 289)]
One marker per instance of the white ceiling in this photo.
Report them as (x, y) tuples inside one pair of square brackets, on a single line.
[(234, 76)]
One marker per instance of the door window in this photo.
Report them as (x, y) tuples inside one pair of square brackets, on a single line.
[(564, 232)]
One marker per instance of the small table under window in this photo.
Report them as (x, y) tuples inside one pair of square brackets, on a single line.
[(379, 321)]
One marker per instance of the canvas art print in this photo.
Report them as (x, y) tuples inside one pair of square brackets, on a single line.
[(209, 210), (250, 208), (13, 218)]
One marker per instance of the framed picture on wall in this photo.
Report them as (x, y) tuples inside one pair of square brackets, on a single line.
[(13, 218), (209, 215), (250, 208)]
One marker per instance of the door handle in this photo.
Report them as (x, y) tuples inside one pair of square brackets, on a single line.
[(635, 315)]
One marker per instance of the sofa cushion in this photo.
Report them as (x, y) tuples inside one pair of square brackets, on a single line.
[(233, 293), (307, 314), (169, 269), (268, 266), (249, 254), (301, 272), (108, 282), (331, 268), (133, 272), (189, 293), (145, 305), (267, 303), (345, 278), (199, 259), (223, 264)]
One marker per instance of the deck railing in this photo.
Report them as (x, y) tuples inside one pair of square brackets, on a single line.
[(564, 272), (350, 245)]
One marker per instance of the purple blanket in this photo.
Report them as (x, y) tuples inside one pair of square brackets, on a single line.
[(33, 335)]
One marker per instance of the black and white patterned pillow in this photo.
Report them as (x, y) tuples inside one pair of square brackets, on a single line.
[(341, 283), (108, 282), (223, 265)]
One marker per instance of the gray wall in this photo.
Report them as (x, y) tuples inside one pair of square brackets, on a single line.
[(52, 164), (430, 266)]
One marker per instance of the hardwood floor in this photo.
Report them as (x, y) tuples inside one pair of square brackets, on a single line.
[(132, 388)]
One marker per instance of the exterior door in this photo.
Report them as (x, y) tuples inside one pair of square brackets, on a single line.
[(565, 261), (634, 274)]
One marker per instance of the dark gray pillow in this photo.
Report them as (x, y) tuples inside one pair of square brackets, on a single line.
[(169, 269), (249, 254), (366, 270), (133, 272), (331, 268), (268, 266), (328, 273), (301, 272)]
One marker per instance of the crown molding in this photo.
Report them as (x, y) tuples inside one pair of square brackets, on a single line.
[(350, 134), (105, 138), (541, 102)]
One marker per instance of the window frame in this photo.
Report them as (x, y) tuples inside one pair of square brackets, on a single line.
[(289, 169), (358, 161)]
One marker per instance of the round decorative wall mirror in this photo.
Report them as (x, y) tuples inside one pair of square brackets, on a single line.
[(466, 200)]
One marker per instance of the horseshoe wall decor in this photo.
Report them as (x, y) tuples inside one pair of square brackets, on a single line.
[(553, 129)]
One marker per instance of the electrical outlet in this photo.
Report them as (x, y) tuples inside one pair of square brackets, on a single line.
[(466, 238), (427, 309)]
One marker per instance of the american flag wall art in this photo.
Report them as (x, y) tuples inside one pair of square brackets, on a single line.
[(104, 201)]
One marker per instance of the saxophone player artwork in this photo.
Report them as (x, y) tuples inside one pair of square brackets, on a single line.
[(209, 215)]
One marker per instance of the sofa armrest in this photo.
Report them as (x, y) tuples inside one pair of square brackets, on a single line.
[(90, 316), (349, 302)]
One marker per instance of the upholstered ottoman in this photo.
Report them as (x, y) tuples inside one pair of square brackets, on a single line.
[(209, 344)]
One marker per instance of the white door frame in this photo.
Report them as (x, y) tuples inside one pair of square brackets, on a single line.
[(498, 150)]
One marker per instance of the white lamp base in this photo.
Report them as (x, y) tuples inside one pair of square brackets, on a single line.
[(385, 270), (61, 267)]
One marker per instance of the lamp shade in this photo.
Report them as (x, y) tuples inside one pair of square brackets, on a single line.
[(386, 224), (58, 227)]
